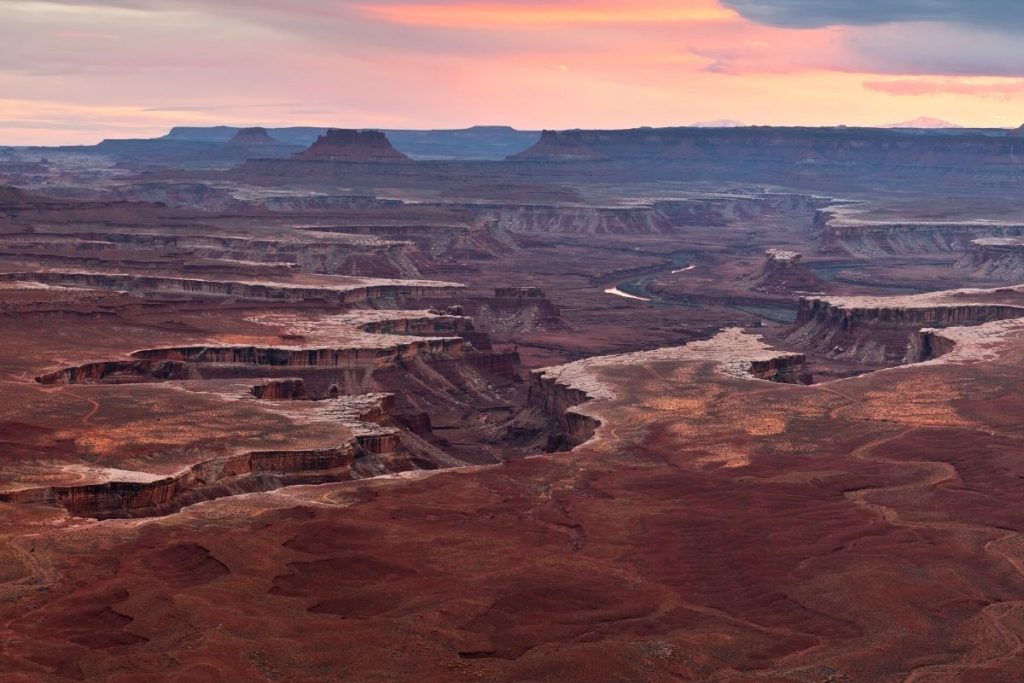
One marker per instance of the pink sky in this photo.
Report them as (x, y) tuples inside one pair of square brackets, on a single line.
[(77, 71)]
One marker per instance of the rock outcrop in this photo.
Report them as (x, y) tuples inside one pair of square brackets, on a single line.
[(352, 145), (784, 272), (569, 145), (286, 388), (252, 137)]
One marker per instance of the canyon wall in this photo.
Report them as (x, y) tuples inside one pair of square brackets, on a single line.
[(254, 471), (868, 239), (557, 400), (995, 258), (347, 295), (185, 362), (881, 332)]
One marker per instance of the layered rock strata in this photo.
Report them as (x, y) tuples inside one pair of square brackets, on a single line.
[(878, 330), (140, 494), (841, 230), (346, 291)]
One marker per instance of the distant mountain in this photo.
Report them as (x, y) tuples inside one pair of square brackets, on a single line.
[(718, 123), (923, 122)]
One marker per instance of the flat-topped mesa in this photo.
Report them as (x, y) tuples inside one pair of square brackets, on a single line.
[(783, 257), (558, 146), (879, 330), (252, 137), (995, 258), (352, 145), (783, 271)]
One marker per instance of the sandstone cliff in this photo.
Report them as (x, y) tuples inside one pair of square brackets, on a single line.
[(879, 330)]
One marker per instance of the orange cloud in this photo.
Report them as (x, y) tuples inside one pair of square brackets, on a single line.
[(479, 15), (974, 87)]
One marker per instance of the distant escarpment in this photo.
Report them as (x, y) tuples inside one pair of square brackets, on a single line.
[(351, 145), (815, 157), (875, 238), (823, 159), (794, 145)]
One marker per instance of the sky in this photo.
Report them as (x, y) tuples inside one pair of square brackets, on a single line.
[(78, 71)]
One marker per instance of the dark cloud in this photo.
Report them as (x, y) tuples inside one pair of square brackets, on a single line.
[(934, 49), (817, 13)]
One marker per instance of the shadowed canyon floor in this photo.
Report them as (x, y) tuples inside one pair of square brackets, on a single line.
[(264, 424)]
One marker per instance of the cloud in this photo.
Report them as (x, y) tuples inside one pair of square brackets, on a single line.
[(818, 13), (949, 86), (933, 49), (119, 67), (482, 14)]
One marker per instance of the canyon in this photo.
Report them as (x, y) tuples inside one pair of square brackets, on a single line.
[(659, 404)]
